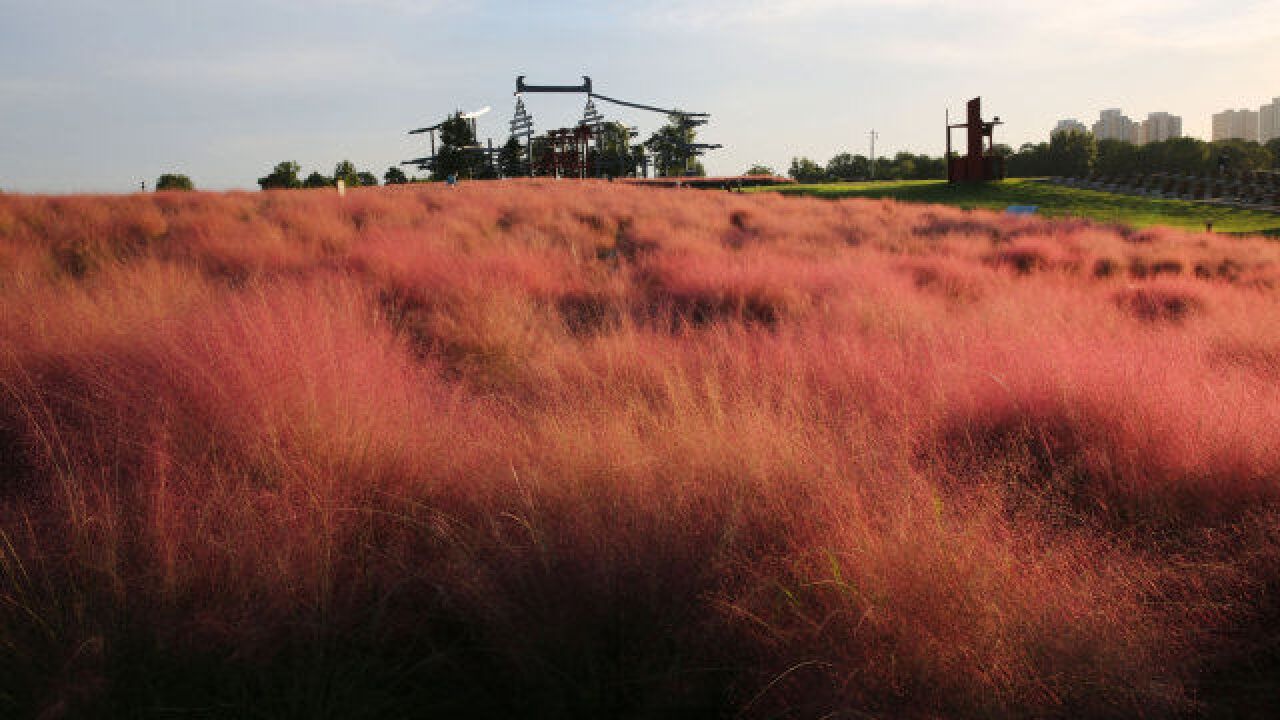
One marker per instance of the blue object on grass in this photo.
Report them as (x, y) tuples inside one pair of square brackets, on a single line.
[(1022, 209)]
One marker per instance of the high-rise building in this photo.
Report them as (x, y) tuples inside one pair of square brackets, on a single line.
[(1161, 126), (1113, 124), (1070, 125), (1238, 124), (1269, 121)]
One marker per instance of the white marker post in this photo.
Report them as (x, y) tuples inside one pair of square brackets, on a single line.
[(342, 188)]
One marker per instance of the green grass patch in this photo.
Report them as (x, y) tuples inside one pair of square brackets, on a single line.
[(1053, 201)]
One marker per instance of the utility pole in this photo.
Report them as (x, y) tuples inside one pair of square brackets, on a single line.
[(874, 135)]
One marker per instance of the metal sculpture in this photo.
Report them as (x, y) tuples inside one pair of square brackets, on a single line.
[(980, 164), (593, 119), (569, 152)]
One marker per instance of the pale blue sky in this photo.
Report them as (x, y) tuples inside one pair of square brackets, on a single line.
[(97, 95)]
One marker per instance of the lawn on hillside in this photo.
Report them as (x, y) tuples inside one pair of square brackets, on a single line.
[(1052, 201)]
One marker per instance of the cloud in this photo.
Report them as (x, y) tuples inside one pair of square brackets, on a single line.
[(1117, 29), (402, 7), (300, 68)]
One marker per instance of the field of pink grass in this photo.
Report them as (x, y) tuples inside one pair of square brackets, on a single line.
[(573, 449)]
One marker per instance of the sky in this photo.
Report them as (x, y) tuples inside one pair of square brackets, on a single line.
[(101, 95)]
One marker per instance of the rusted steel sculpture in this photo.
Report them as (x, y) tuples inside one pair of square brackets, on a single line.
[(593, 120), (567, 153), (981, 164)]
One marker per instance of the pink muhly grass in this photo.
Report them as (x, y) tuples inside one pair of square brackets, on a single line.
[(607, 449)]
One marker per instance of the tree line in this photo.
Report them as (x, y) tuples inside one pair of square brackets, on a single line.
[(287, 175), (1079, 154), (846, 167), (1067, 153)]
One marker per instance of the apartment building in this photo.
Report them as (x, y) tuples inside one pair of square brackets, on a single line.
[(1239, 124), (1160, 126), (1070, 125), (1269, 121), (1113, 124)]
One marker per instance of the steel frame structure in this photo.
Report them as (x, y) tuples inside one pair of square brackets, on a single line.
[(980, 164), (592, 118)]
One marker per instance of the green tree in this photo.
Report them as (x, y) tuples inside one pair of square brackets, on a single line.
[(316, 180), (1243, 154), (395, 176), (1072, 153), (759, 170), (935, 168), (612, 154), (346, 172), (541, 146), (456, 155), (1273, 147), (285, 175), (511, 159), (1181, 155), (901, 167), (1117, 157), (367, 179), (847, 167), (170, 181), (669, 146), (639, 158), (1031, 160), (806, 171)]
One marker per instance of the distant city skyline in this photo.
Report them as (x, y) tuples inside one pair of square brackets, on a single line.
[(98, 96), (1261, 125)]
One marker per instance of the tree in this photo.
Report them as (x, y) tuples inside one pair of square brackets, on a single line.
[(1273, 146), (346, 172), (612, 155), (1072, 153), (847, 167), (639, 159), (1031, 160), (174, 182), (455, 156), (759, 170), (541, 147), (1117, 157), (935, 168), (1182, 155), (316, 180), (367, 179), (902, 167), (285, 175), (395, 176), (806, 171), (1243, 154), (511, 159), (669, 146)]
